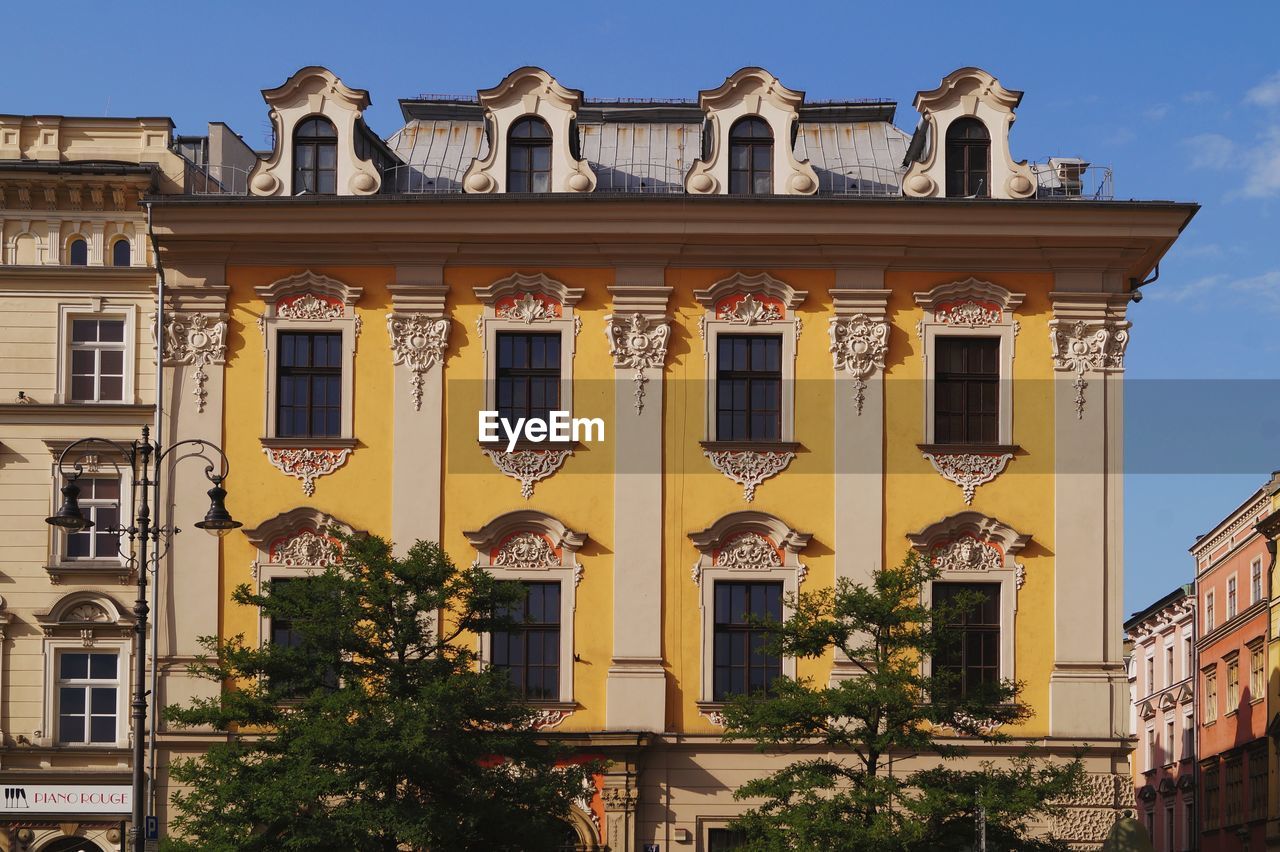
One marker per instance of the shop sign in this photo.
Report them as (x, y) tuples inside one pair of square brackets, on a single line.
[(66, 798)]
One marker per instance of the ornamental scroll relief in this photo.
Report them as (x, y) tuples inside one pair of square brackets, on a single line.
[(858, 346), (1082, 346), (198, 340), (638, 343), (418, 341)]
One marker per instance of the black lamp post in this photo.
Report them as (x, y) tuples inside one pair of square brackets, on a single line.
[(143, 458)]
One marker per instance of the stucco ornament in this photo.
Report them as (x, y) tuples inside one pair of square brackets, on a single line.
[(969, 470), (306, 548), (309, 306), (750, 551), (749, 468), (969, 313), (528, 466), (638, 343), (549, 717), (966, 553), (858, 346), (1087, 816), (526, 551), (1082, 346), (715, 717), (87, 612), (418, 342), (527, 309), (306, 464), (750, 311), (198, 340)]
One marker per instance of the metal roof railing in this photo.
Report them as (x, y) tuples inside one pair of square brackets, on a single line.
[(650, 178), (216, 179), (423, 179), (860, 180), (1073, 178)]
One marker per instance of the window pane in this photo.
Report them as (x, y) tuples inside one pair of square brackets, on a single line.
[(84, 330), (111, 389), (112, 362), (103, 729), (72, 667), (103, 700), (111, 331), (103, 667), (71, 729), (327, 156)]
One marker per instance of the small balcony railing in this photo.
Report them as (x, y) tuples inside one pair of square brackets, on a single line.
[(423, 179), (860, 181), (216, 180), (651, 178), (1073, 179)]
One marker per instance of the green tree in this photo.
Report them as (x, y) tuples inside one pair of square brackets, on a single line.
[(374, 728), (842, 793)]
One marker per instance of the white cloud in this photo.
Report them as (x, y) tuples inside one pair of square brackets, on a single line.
[(1261, 290), (1199, 96), (1266, 93), (1263, 178), (1264, 288), (1189, 290), (1156, 112), (1211, 151), (1200, 250)]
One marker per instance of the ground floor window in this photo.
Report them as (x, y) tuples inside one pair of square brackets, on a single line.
[(725, 840)]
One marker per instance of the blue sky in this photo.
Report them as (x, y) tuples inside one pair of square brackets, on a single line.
[(1183, 103)]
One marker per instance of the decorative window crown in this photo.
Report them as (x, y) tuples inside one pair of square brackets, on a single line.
[(749, 541)]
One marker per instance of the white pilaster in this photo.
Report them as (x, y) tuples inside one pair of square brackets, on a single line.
[(638, 330), (860, 304)]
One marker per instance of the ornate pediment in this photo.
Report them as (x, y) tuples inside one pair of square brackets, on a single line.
[(300, 538), (749, 541)]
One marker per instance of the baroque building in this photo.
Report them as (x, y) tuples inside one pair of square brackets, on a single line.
[(815, 341)]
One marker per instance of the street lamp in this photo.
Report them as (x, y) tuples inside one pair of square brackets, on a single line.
[(143, 458)]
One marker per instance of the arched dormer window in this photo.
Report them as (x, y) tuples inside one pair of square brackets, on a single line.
[(78, 252), (968, 159), (750, 157), (529, 156), (121, 254), (315, 157)]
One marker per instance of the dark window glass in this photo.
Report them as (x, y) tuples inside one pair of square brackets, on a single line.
[(966, 404), (972, 655), (529, 156), (750, 158), (309, 385), (289, 634), (968, 159), (725, 840), (87, 693), (78, 252), (120, 253), (530, 651), (528, 375), (741, 664), (749, 387), (315, 157)]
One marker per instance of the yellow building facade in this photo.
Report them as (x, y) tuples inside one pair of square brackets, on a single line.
[(841, 275)]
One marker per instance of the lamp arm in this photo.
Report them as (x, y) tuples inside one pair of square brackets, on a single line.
[(203, 445), (130, 452)]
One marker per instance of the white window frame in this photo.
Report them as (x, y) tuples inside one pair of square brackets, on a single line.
[(1208, 611), (498, 551), (96, 466), (97, 310), (529, 304), (1150, 672), (727, 551), (1256, 583), (1150, 762), (771, 311), (1257, 649), (1170, 743), (1210, 695), (1188, 654), (1233, 597), (1170, 662), (1188, 734), (119, 651), (59, 549), (1233, 666), (329, 308), (969, 308)]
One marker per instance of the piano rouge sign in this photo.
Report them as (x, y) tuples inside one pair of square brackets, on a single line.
[(66, 798)]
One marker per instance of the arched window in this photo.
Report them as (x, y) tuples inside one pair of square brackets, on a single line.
[(78, 252), (121, 253), (750, 158), (529, 156), (315, 157), (968, 159)]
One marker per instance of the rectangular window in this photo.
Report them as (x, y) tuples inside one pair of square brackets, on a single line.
[(100, 503), (1208, 612), (1168, 666), (724, 840), (1255, 581), (972, 656), (88, 689), (309, 385), (97, 360), (1211, 803), (741, 664), (1169, 742), (1188, 737), (1188, 825), (1257, 782), (530, 651), (1233, 685), (1211, 697), (528, 375), (1257, 675), (1233, 790), (749, 387), (287, 633), (1151, 675), (1188, 656), (1150, 762), (1232, 598), (1168, 827), (967, 391)]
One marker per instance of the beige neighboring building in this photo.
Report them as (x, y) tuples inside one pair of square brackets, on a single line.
[(77, 300)]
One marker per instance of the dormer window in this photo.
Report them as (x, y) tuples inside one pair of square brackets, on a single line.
[(968, 159), (750, 158), (315, 157), (529, 156)]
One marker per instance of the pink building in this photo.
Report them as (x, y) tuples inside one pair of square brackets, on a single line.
[(1162, 684)]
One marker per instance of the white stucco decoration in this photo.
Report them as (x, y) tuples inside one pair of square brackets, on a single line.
[(312, 91), (969, 92), (529, 91), (751, 92)]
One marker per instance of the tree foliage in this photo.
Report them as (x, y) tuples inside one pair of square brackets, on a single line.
[(375, 728), (840, 789)]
